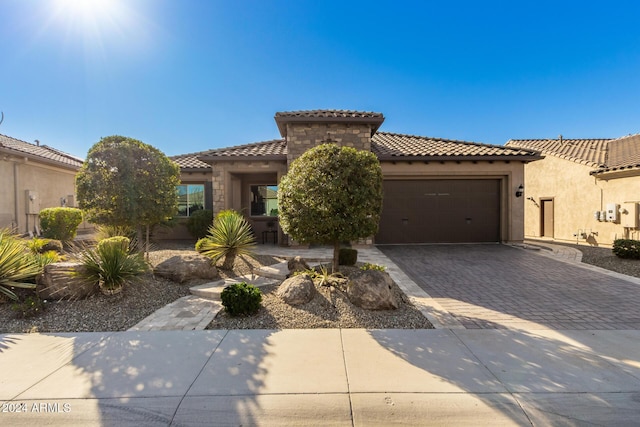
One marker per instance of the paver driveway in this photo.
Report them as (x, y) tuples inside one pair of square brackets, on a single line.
[(497, 286)]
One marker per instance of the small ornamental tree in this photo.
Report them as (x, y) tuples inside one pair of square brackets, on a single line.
[(125, 182), (331, 195)]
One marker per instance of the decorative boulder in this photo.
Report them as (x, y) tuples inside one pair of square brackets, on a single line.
[(60, 281), (297, 264), (297, 290), (185, 267), (371, 290)]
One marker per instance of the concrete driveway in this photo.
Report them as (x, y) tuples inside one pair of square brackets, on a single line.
[(499, 286)]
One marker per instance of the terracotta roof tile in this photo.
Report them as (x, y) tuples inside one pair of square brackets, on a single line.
[(623, 153), (272, 150), (330, 114), (591, 152), (190, 161), (398, 146), (41, 152)]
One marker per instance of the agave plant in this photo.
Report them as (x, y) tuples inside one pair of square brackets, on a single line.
[(230, 235), (111, 266), (17, 265)]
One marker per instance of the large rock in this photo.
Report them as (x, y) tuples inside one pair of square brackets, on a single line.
[(371, 289), (60, 280), (297, 264), (184, 267), (297, 290)]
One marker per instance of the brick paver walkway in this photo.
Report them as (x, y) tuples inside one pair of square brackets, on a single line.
[(497, 286)]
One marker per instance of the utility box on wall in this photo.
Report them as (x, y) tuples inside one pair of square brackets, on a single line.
[(612, 212), (629, 215), (32, 202)]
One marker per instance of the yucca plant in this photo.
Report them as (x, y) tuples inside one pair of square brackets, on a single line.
[(17, 265), (111, 266), (230, 235)]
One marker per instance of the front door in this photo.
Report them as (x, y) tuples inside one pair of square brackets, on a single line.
[(547, 217)]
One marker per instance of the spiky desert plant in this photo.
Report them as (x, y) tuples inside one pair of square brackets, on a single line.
[(229, 236), (17, 265), (111, 266)]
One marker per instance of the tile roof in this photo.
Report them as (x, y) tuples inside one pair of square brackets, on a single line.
[(267, 150), (591, 152), (190, 161), (393, 146), (42, 153), (330, 114), (327, 116), (623, 154)]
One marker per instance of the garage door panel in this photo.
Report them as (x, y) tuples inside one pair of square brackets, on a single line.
[(440, 211)]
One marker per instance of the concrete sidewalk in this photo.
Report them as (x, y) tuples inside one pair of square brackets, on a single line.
[(321, 377)]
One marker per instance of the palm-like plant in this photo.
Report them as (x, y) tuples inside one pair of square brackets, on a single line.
[(230, 235), (17, 265), (111, 266)]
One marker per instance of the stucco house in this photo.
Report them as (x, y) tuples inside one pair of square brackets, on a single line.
[(435, 190), (33, 177), (584, 190)]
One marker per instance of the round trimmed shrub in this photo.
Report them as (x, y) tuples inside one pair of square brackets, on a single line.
[(121, 242), (60, 223), (241, 298)]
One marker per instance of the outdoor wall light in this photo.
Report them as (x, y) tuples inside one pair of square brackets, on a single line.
[(520, 191)]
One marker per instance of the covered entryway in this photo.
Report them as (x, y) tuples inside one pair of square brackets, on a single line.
[(440, 211)]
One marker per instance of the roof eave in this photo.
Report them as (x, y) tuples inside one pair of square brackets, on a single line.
[(524, 158), (38, 159), (265, 158), (282, 121)]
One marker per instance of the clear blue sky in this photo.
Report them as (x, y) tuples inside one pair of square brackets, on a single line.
[(191, 75)]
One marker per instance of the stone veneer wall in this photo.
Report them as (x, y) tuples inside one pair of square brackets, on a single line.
[(303, 136), (221, 178)]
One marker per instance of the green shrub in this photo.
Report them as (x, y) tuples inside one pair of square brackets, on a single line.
[(200, 243), (347, 256), (40, 246), (229, 236), (626, 248), (18, 265), (111, 266), (367, 266), (60, 223), (119, 241), (241, 298), (199, 222)]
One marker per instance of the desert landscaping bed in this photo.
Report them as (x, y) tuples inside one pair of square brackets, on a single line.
[(101, 313)]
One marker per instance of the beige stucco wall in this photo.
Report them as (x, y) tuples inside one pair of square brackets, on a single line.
[(510, 174), (576, 196), (48, 182)]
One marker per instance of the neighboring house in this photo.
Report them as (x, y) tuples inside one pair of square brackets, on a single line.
[(584, 191), (33, 177), (435, 190)]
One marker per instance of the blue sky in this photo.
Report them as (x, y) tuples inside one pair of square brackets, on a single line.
[(191, 75)]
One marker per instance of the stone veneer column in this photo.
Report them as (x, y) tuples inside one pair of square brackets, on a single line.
[(218, 187), (303, 136)]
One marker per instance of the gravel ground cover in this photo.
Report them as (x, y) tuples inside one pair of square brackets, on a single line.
[(605, 258), (99, 313)]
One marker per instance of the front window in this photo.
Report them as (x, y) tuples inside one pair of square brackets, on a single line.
[(190, 198), (264, 200)]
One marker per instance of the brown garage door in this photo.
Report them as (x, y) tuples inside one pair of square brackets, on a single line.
[(440, 211)]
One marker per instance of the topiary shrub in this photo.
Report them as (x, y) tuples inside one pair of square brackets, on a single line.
[(121, 242), (347, 256), (626, 248), (60, 223), (241, 298), (199, 222)]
